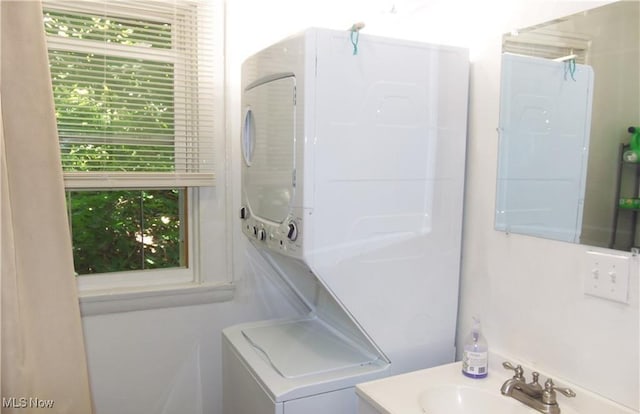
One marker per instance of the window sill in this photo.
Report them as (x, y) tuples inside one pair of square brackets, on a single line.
[(129, 300)]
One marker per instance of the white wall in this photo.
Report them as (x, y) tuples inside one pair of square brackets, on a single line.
[(168, 360)]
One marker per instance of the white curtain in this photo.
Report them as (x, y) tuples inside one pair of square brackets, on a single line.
[(43, 356)]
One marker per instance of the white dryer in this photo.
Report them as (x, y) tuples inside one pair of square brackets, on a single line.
[(352, 188)]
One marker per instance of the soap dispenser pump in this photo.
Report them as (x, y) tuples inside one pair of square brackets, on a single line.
[(475, 358)]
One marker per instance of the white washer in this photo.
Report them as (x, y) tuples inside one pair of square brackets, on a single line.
[(352, 188)]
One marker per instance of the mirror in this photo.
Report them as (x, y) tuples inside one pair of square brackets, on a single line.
[(567, 163)]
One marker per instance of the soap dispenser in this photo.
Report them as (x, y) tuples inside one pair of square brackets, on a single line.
[(475, 358)]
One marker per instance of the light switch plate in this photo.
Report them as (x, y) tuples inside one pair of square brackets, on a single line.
[(607, 276)]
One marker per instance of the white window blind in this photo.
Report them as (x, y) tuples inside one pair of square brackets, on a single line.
[(547, 44), (134, 91)]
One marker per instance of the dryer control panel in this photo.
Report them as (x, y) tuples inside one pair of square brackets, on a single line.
[(282, 237)]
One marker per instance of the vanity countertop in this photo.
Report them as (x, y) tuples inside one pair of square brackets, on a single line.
[(401, 394)]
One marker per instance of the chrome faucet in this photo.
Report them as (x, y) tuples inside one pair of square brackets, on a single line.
[(533, 394)]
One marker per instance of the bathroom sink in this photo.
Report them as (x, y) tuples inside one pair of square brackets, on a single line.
[(444, 390), (457, 399)]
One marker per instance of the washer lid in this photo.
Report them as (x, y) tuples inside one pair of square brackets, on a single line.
[(305, 347)]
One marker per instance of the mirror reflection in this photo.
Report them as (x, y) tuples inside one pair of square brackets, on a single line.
[(569, 147)]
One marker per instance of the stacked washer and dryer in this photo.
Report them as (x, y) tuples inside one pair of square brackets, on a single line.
[(352, 189)]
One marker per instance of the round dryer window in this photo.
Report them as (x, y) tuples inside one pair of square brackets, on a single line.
[(248, 137)]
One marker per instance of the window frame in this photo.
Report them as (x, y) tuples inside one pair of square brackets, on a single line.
[(201, 281)]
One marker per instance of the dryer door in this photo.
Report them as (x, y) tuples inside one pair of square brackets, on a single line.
[(268, 147)]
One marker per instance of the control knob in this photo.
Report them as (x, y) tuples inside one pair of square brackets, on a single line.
[(244, 213), (292, 231), (262, 235)]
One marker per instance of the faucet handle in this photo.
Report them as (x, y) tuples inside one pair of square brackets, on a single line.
[(517, 369), (549, 395), (534, 382)]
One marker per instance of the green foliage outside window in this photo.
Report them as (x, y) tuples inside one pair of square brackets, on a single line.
[(131, 102), (104, 105), (125, 230)]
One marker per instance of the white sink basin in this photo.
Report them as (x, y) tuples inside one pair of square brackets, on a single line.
[(444, 390), (456, 399)]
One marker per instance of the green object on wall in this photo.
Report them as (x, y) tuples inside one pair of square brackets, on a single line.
[(633, 155), (629, 203)]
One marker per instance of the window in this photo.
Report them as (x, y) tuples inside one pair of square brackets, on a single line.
[(125, 230), (133, 87)]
